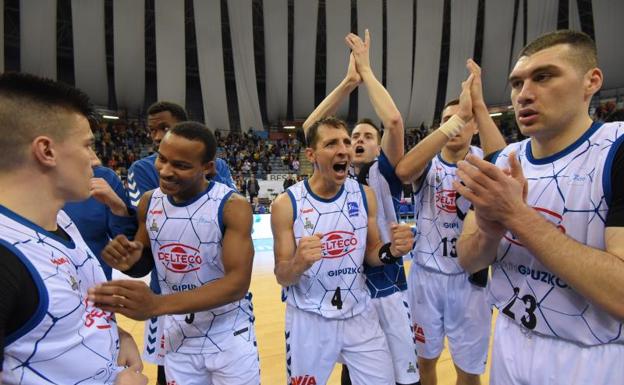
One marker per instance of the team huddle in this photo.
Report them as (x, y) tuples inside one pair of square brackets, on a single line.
[(533, 228)]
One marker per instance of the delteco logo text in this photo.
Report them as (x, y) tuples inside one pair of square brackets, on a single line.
[(179, 258), (336, 244)]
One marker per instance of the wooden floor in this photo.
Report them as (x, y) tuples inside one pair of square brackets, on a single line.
[(269, 311)]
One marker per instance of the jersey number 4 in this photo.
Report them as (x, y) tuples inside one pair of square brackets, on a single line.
[(337, 299)]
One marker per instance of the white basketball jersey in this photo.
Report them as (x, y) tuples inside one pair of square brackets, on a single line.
[(439, 214), (68, 340), (334, 286), (186, 242), (570, 189)]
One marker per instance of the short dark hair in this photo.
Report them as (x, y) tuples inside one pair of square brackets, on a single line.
[(198, 132), (331, 121), (454, 102), (176, 110), (584, 53), (31, 106), (372, 124)]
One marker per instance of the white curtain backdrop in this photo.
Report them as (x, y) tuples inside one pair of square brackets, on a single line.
[(129, 43), (369, 15), (497, 34), (573, 16), (518, 42), (276, 58), (429, 17), (90, 49), (463, 31), (609, 29), (38, 37), (541, 17), (170, 51), (338, 25), (210, 62), (400, 45), (241, 30), (304, 56)]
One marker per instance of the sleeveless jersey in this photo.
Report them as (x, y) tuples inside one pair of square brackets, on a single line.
[(439, 214), (67, 340), (334, 286), (571, 189), (186, 241), (380, 177)]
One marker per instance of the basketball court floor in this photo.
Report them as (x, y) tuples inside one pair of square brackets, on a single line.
[(269, 312)]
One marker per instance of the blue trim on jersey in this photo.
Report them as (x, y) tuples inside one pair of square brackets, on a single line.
[(364, 200), (549, 159), (192, 200), (18, 218), (606, 172), (386, 169), (293, 203), (495, 155), (44, 300), (220, 210), (447, 164), (422, 178), (318, 198)]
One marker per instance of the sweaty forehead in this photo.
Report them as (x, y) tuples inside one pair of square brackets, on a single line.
[(160, 118)]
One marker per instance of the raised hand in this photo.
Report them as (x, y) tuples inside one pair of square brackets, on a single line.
[(402, 239), (465, 100), (353, 77), (121, 253), (360, 50), (476, 88)]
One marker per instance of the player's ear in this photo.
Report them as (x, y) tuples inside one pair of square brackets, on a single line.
[(309, 153), (210, 168)]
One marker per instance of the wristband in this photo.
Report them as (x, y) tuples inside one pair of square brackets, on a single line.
[(386, 256), (452, 126)]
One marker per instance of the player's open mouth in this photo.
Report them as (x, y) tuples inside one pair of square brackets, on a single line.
[(341, 167), (359, 150)]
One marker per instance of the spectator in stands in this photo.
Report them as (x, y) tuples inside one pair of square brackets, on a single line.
[(253, 188), (289, 181)]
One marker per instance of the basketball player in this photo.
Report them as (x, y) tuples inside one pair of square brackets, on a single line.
[(142, 177), (375, 157), (324, 229), (47, 325), (548, 217), (197, 235), (443, 300)]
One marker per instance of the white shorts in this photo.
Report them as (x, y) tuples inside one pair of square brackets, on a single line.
[(449, 305), (520, 356), (154, 341), (394, 318), (314, 344), (237, 365)]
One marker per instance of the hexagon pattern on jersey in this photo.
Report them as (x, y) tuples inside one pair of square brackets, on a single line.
[(186, 244), (338, 277), (568, 192), (70, 328)]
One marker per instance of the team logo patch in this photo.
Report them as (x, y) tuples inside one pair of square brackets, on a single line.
[(179, 258), (59, 261), (155, 212), (411, 368), (353, 208), (336, 244), (308, 225), (445, 200), (303, 380), (154, 226), (549, 215), (419, 333)]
